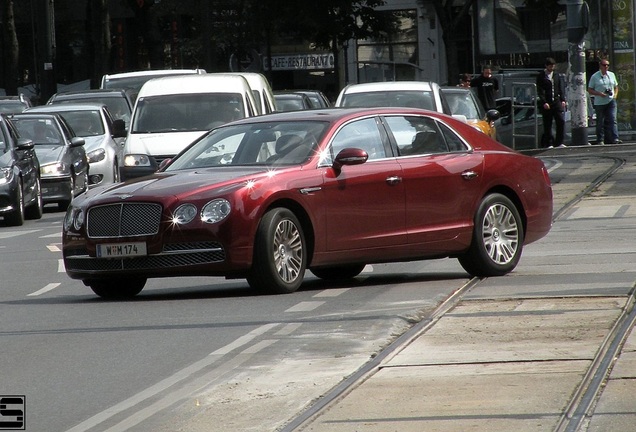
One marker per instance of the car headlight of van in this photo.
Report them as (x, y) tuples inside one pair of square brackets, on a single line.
[(216, 210), (54, 168), (136, 160), (96, 155), (184, 214)]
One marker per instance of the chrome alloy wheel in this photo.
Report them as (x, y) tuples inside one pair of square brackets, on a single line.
[(288, 250), (500, 234)]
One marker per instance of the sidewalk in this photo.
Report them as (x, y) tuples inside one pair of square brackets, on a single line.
[(512, 354)]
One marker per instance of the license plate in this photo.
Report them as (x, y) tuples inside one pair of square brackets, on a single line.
[(121, 250)]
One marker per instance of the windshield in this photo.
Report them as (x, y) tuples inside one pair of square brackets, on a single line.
[(41, 131), (84, 123), (118, 107), (186, 112), (462, 103), (273, 144), (406, 98)]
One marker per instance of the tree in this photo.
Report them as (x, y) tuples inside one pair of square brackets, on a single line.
[(98, 31), (10, 49), (450, 16)]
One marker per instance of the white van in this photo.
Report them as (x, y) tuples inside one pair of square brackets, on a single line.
[(134, 80), (172, 112), (262, 90)]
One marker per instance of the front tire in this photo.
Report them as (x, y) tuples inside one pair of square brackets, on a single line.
[(16, 217), (497, 240), (117, 289), (36, 209), (280, 253)]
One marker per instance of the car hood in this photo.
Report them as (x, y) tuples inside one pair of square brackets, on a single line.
[(49, 153), (160, 144), (94, 142), (167, 186)]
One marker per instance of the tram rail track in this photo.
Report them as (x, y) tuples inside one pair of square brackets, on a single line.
[(582, 402)]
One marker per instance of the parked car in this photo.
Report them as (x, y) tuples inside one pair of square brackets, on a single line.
[(14, 104), (63, 161), (120, 102), (172, 112), (463, 102), (292, 101), (283, 199), (20, 188), (135, 80), (103, 137), (318, 98), (418, 94)]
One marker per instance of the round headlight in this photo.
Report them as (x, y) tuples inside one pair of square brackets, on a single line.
[(184, 214), (78, 220), (216, 210)]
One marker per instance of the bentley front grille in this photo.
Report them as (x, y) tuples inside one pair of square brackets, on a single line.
[(123, 220)]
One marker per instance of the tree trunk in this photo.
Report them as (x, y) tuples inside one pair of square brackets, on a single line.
[(100, 45), (11, 50)]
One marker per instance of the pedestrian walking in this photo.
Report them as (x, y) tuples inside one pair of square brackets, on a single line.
[(603, 86), (551, 96), (487, 88)]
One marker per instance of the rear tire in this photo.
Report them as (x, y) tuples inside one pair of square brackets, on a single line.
[(280, 253), (339, 272), (497, 238), (117, 289)]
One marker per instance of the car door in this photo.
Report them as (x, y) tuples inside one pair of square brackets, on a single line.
[(441, 181), (365, 202)]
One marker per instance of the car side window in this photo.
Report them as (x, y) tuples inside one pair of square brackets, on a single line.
[(416, 135), (363, 134), (455, 143)]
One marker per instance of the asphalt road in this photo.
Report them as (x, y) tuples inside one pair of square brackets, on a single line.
[(204, 353)]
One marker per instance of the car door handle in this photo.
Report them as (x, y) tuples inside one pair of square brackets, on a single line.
[(469, 175), (393, 180)]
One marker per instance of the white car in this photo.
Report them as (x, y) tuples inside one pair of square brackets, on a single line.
[(135, 80), (414, 94), (102, 134)]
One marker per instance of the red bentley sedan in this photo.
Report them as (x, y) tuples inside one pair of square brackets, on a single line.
[(269, 197)]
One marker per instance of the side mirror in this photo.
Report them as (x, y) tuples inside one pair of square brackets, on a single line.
[(119, 128), (350, 156), (77, 141), (492, 115), (25, 144)]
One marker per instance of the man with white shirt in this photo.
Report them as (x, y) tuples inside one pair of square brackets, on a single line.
[(604, 87)]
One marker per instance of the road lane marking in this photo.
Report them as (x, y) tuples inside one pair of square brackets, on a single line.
[(60, 266), (288, 329), (181, 375), (46, 289), (54, 235), (53, 248), (9, 234), (331, 292), (305, 306)]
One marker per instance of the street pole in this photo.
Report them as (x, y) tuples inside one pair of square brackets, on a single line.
[(577, 22)]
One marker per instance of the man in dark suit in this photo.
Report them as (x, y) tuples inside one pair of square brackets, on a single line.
[(551, 94)]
